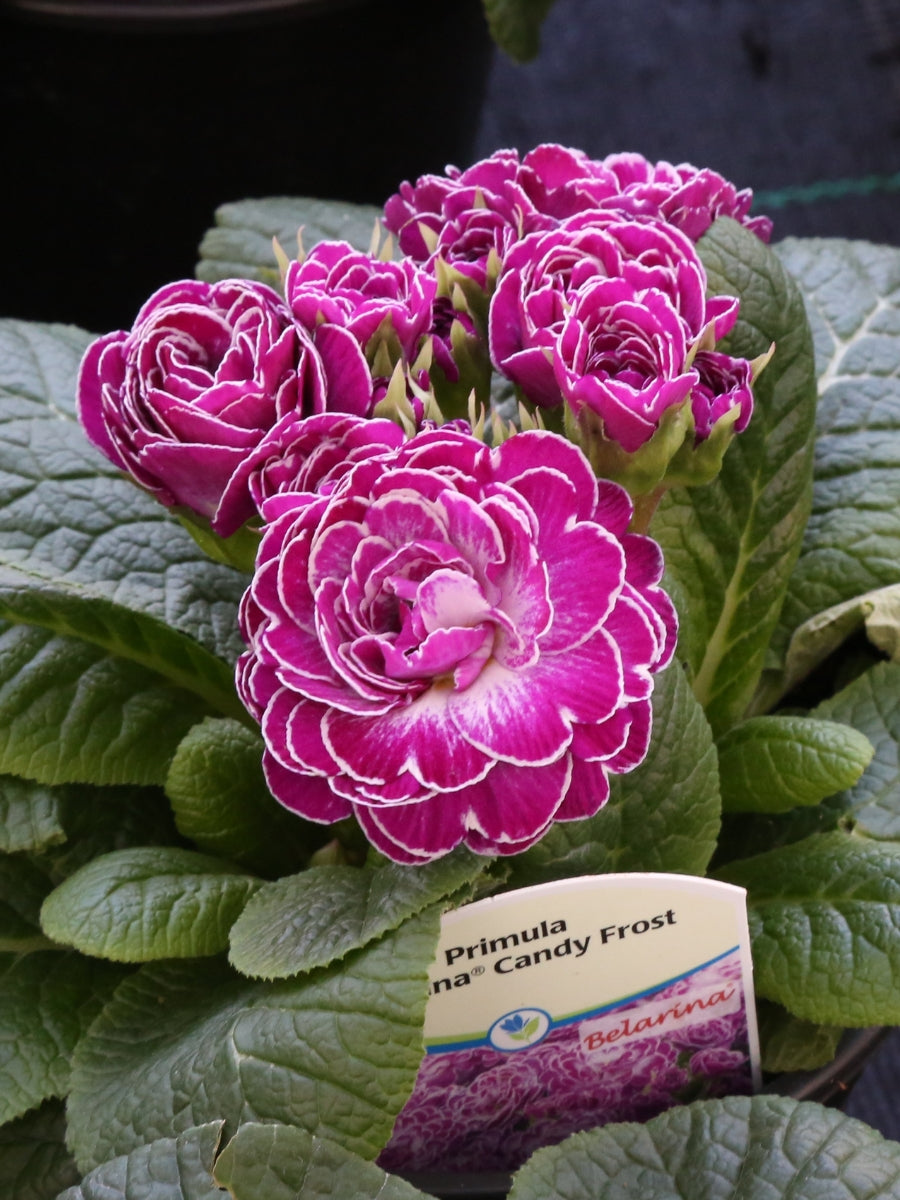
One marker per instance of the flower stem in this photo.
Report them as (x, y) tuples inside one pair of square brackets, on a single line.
[(644, 508)]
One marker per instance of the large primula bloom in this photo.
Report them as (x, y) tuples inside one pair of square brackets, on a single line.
[(456, 644), (182, 399)]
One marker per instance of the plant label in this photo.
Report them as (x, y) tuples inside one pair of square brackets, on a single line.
[(572, 1004)]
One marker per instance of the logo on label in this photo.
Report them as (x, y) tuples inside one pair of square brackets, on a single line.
[(519, 1029)]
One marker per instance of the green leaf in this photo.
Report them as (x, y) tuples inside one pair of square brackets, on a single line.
[(47, 1001), (871, 704), (146, 903), (747, 834), (74, 610), (773, 764), (515, 25), (335, 1053), (30, 815), (852, 543), (22, 889), (34, 1161), (663, 816), (74, 713), (172, 1168), (281, 1162), (240, 244), (97, 820), (790, 1044), (830, 899), (38, 365), (752, 1148), (222, 803), (312, 919), (730, 546)]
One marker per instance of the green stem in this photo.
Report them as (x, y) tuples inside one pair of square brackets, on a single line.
[(644, 508)]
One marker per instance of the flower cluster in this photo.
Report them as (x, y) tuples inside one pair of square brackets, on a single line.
[(451, 631), (598, 298), (483, 1105), (464, 216)]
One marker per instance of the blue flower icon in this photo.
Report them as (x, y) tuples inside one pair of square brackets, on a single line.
[(520, 1029)]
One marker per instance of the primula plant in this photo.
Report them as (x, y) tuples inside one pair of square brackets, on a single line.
[(542, 524)]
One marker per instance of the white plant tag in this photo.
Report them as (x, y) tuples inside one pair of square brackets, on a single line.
[(572, 1004)]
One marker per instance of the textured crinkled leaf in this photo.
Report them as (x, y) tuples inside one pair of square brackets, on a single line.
[(774, 764), (38, 364), (73, 713), (97, 820), (71, 610), (663, 816), (89, 539), (72, 527), (871, 704), (851, 547), (146, 903), (173, 1168), (731, 546), (312, 919), (222, 803), (240, 243), (739, 1148), (281, 1162), (824, 919), (34, 1161), (30, 815), (515, 25), (788, 1043), (183, 1043), (22, 889), (47, 1001)]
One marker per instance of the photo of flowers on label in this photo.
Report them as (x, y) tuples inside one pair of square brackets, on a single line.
[(687, 1041), (570, 1005)]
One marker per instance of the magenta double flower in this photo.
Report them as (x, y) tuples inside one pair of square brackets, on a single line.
[(463, 215), (424, 653), (609, 313), (376, 301), (182, 400)]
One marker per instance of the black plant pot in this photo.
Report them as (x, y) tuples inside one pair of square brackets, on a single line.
[(125, 124), (829, 1085)]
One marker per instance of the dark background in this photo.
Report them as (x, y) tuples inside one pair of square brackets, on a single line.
[(786, 98), (120, 134), (116, 146)]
